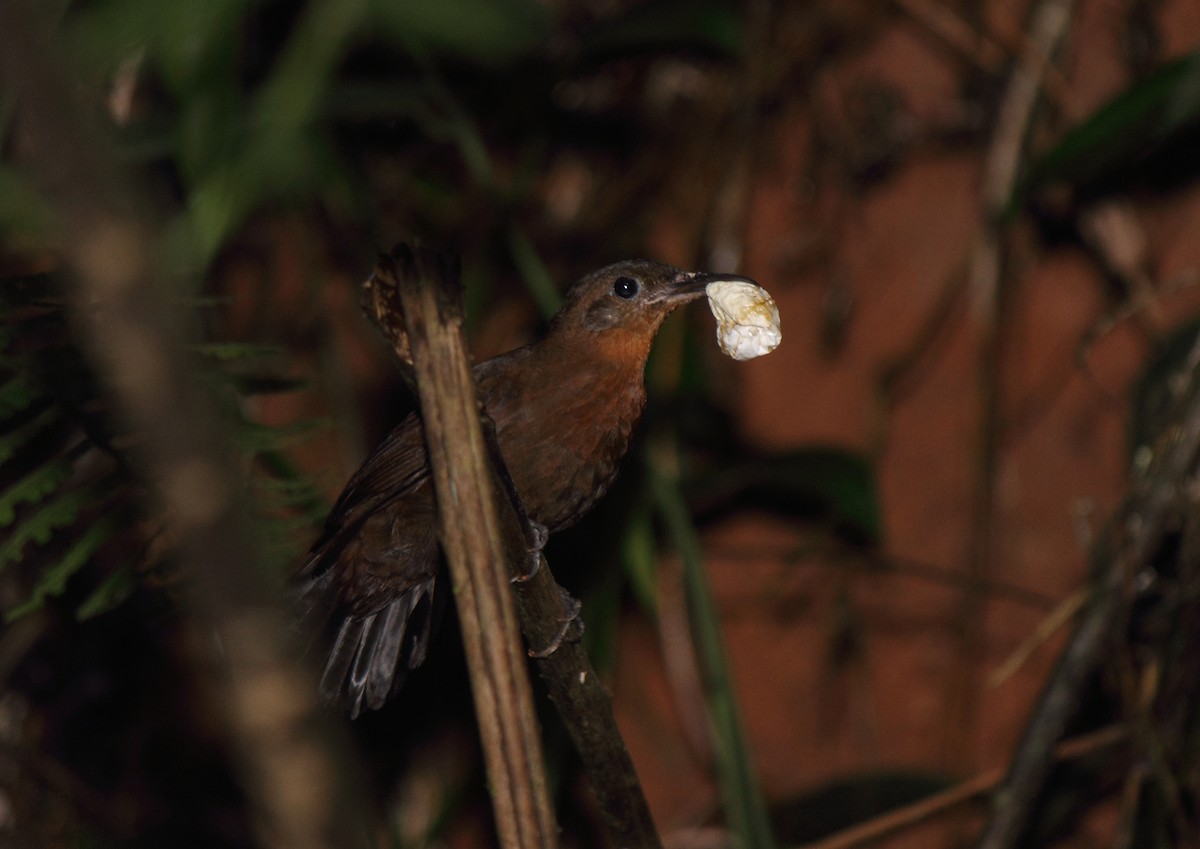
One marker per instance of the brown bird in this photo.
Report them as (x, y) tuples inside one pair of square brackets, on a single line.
[(564, 409)]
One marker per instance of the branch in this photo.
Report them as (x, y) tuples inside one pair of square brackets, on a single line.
[(584, 703), (1051, 18), (470, 533), (1049, 22)]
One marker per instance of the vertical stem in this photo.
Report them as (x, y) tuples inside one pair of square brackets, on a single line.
[(471, 538), (744, 805), (1049, 21)]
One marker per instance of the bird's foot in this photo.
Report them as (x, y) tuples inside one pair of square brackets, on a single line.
[(571, 630), (539, 534)]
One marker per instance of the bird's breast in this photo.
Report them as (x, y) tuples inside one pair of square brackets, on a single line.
[(563, 441)]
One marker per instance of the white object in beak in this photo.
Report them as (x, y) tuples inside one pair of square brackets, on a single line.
[(747, 318)]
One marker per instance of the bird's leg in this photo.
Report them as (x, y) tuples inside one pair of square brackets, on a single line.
[(571, 630), (538, 534)]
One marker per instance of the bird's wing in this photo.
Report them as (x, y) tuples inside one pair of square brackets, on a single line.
[(398, 466), (367, 594)]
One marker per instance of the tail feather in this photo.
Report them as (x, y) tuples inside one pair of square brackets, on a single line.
[(368, 657)]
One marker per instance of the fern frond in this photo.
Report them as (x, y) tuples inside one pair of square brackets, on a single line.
[(16, 395), (256, 438), (38, 484), (231, 351), (112, 591), (57, 513), (53, 581), (26, 432), (53, 513), (258, 384)]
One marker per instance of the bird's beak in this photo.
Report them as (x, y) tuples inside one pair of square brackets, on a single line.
[(690, 285)]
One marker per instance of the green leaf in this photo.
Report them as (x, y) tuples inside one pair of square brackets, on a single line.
[(741, 793), (485, 32), (297, 491), (639, 554), (827, 484), (112, 591), (14, 439), (286, 493), (255, 438), (23, 212), (53, 581), (41, 526), (537, 278), (15, 395), (1141, 121), (35, 486), (602, 607), (186, 41), (229, 351), (663, 25)]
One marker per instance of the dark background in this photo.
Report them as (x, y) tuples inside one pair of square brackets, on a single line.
[(890, 505)]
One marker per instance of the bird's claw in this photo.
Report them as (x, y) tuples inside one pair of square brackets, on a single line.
[(539, 534), (571, 630)]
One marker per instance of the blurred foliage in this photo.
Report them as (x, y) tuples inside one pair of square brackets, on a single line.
[(1148, 681), (234, 109), (465, 123), (1154, 392), (366, 121), (823, 484), (227, 111), (67, 497), (65, 494), (745, 808), (1142, 139), (1147, 134)]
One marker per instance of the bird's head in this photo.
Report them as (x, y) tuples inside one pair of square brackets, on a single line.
[(620, 307)]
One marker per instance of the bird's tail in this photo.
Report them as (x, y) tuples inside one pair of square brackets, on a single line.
[(364, 660)]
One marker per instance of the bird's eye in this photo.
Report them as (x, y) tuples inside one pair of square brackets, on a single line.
[(625, 287)]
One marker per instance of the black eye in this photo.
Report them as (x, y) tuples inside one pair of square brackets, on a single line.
[(625, 287)]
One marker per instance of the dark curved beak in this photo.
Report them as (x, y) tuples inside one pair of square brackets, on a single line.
[(690, 285)]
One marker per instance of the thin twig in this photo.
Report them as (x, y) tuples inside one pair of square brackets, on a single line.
[(1107, 323), (1057, 618), (1116, 236), (973, 46), (1049, 23), (680, 662), (1136, 533), (940, 803), (1002, 164)]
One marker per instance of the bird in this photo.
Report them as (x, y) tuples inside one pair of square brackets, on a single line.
[(564, 409)]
